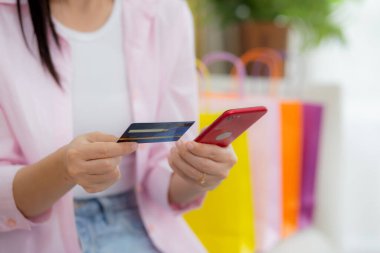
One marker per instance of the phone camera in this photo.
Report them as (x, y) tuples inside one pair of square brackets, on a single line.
[(230, 118)]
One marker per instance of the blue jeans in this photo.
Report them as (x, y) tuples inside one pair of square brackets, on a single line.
[(112, 224)]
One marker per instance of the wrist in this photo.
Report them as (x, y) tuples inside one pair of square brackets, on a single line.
[(62, 165), (196, 187), (183, 192)]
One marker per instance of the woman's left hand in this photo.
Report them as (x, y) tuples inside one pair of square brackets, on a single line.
[(203, 165)]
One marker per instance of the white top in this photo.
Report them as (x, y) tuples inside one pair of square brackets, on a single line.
[(99, 89)]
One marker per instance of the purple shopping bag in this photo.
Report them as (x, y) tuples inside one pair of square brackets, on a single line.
[(312, 119)]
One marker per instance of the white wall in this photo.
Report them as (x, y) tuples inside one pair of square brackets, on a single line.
[(356, 67)]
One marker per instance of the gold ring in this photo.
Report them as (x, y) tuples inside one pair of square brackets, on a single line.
[(202, 180)]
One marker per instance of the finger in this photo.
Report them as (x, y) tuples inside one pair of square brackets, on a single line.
[(101, 166), (98, 150), (213, 152), (205, 165), (107, 179), (184, 167), (180, 173), (94, 188), (100, 137)]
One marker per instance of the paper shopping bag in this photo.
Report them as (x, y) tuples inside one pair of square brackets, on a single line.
[(291, 136), (266, 173), (265, 148), (312, 122), (224, 223)]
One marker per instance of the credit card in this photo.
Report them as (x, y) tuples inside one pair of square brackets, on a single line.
[(155, 132)]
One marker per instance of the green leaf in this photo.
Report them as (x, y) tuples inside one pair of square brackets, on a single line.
[(314, 18)]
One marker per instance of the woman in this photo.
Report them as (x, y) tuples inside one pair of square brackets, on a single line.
[(72, 68)]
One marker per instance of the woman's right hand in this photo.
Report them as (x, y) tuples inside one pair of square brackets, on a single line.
[(92, 160)]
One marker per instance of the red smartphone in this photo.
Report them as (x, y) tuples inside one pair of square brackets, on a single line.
[(228, 126)]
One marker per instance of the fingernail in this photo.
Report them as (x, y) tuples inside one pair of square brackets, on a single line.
[(190, 145)]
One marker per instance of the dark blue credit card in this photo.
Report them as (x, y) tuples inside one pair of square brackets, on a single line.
[(155, 132)]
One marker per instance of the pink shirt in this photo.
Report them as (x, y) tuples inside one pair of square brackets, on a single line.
[(36, 119)]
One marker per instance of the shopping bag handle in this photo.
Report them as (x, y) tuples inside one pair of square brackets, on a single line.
[(269, 57), (239, 75)]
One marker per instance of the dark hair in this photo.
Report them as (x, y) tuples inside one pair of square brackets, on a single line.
[(42, 25)]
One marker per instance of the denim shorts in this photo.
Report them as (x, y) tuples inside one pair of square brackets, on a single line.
[(112, 224)]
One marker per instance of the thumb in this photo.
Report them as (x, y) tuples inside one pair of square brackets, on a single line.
[(101, 137)]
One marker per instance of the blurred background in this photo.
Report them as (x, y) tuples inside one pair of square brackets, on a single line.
[(316, 185)]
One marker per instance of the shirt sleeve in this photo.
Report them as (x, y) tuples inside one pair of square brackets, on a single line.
[(11, 161), (181, 102)]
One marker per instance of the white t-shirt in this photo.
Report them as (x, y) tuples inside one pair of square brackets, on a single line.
[(100, 97)]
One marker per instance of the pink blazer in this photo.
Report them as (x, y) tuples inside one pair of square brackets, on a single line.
[(35, 120)]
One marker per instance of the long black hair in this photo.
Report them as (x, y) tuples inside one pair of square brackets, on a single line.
[(43, 25)]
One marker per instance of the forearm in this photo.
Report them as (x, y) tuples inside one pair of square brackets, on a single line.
[(182, 192), (38, 186)]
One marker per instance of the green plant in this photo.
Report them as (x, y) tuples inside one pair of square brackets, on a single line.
[(313, 18)]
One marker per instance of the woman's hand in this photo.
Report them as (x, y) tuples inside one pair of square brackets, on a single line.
[(203, 165), (92, 160)]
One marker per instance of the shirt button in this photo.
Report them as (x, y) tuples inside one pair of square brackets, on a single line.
[(11, 223)]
